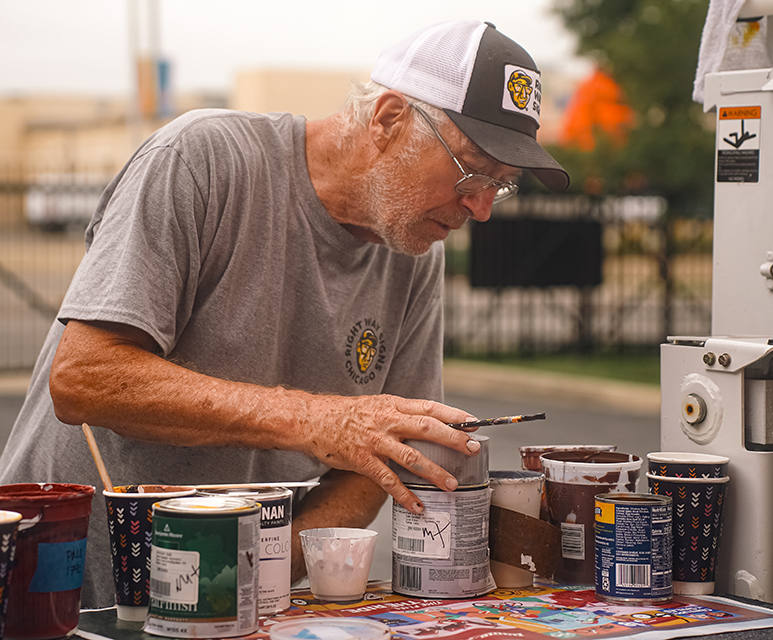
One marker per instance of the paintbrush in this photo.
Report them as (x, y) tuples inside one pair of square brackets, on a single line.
[(491, 421), (97, 458)]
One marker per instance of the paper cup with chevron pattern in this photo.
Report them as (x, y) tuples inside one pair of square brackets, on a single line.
[(697, 528), (130, 525), (9, 525)]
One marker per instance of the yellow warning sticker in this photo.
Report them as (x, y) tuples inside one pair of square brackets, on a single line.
[(740, 113)]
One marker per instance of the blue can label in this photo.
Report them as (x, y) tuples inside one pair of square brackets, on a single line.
[(633, 548)]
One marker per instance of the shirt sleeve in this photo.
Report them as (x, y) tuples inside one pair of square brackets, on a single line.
[(141, 268)]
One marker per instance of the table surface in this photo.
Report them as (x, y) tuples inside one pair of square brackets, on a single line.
[(465, 619)]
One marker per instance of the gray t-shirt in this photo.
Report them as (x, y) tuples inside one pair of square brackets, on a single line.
[(213, 241)]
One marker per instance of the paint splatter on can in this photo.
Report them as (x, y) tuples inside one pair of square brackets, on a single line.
[(204, 567), (275, 541), (633, 548)]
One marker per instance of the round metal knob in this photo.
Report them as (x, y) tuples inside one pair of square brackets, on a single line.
[(694, 409)]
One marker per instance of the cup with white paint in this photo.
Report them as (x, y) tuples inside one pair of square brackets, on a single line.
[(338, 561)]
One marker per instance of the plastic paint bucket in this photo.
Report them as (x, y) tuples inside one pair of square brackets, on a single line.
[(572, 481), (45, 592)]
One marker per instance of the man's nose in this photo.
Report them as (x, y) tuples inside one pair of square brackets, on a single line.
[(479, 204)]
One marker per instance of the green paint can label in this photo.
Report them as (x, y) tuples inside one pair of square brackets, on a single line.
[(204, 567)]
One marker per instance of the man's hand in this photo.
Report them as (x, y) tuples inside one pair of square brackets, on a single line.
[(362, 433)]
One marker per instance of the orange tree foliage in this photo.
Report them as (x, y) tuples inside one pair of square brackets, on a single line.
[(632, 127), (597, 105)]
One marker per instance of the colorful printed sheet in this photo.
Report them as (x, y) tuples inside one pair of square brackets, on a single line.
[(543, 611)]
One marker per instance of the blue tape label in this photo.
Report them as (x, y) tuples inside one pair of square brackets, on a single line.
[(60, 566)]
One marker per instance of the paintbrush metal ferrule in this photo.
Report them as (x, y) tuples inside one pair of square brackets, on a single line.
[(492, 421)]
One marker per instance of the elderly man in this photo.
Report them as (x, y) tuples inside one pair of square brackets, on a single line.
[(261, 297)]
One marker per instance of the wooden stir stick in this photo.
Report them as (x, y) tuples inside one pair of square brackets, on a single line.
[(97, 458)]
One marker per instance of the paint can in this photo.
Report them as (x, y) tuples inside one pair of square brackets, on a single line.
[(633, 548), (275, 541), (204, 567), (444, 552)]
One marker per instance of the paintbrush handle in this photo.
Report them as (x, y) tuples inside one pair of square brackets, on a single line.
[(97, 458), (492, 421)]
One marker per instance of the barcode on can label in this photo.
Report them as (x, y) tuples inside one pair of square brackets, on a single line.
[(159, 588), (573, 541), (632, 575), (409, 577), (410, 544)]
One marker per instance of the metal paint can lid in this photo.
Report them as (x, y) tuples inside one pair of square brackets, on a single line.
[(351, 628), (245, 491), (206, 506), (469, 471)]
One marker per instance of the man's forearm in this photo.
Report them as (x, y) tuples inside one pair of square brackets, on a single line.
[(112, 379), (343, 499)]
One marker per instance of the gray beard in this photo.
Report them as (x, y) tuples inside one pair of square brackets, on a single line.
[(387, 201)]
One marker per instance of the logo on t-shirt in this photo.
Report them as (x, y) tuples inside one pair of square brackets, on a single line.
[(365, 351)]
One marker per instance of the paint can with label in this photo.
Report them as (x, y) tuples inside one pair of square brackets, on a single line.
[(275, 541), (204, 567), (633, 548), (444, 552)]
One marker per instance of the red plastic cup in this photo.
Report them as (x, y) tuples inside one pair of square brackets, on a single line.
[(45, 592)]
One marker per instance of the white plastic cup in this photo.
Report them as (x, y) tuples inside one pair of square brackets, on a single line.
[(519, 491), (338, 561)]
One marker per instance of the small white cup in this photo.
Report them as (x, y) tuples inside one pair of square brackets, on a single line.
[(517, 491), (338, 561)]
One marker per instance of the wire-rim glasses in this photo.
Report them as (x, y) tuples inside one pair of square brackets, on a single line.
[(471, 183)]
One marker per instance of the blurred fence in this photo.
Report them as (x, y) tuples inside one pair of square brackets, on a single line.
[(654, 278), (649, 276)]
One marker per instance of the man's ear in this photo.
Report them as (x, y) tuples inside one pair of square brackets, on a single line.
[(390, 119)]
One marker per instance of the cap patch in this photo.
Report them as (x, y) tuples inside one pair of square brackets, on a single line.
[(522, 91)]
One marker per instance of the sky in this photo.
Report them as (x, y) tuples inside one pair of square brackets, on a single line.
[(83, 46)]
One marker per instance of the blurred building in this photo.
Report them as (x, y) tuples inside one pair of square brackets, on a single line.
[(57, 152)]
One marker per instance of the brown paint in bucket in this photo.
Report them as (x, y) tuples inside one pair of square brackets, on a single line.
[(572, 481), (45, 592)]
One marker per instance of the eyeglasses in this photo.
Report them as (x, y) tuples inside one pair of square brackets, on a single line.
[(471, 183)]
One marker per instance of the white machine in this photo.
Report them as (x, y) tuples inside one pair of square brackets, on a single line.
[(717, 391)]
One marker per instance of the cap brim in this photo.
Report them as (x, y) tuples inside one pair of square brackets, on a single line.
[(513, 148)]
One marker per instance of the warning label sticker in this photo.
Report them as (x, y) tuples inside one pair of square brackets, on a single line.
[(738, 144)]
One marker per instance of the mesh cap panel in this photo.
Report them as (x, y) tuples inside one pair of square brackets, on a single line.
[(433, 65)]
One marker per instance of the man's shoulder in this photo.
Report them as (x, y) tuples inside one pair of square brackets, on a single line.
[(227, 124), (218, 118)]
